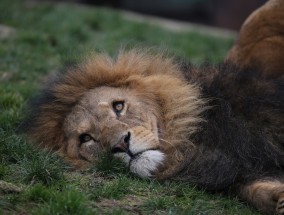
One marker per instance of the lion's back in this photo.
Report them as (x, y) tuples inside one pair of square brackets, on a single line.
[(244, 122)]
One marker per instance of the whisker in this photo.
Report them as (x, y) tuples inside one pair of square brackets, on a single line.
[(168, 142)]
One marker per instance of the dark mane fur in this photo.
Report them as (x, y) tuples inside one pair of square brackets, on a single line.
[(242, 137)]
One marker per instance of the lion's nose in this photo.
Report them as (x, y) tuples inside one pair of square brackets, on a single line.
[(122, 145)]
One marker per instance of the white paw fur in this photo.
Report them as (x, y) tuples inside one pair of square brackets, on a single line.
[(146, 163)]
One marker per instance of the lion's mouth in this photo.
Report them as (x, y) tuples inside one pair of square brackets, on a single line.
[(123, 146), (136, 155), (143, 162)]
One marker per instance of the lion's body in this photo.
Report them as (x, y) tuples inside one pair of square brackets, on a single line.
[(220, 128), (215, 127), (261, 41), (242, 129)]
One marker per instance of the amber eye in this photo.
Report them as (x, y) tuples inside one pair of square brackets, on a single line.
[(118, 106), (85, 138)]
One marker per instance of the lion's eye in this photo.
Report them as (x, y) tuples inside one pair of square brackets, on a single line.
[(85, 138), (118, 106)]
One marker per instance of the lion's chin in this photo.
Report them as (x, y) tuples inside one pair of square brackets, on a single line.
[(145, 164)]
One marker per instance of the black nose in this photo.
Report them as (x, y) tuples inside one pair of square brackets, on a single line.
[(123, 144)]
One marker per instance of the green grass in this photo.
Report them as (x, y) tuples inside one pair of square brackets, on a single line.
[(44, 37)]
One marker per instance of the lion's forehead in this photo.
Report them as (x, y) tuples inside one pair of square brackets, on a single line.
[(95, 108), (105, 95)]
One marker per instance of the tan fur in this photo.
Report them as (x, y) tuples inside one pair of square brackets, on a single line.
[(265, 195), (261, 40), (153, 79)]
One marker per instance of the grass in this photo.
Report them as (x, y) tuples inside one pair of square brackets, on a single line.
[(43, 37)]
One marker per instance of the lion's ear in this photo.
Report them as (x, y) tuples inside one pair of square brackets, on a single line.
[(261, 42), (47, 134)]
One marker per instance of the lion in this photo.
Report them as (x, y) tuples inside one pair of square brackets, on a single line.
[(220, 128)]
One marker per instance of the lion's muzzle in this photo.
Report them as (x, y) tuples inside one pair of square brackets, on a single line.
[(123, 145)]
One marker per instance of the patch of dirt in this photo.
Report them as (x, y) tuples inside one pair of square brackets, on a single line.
[(85, 178), (130, 203), (6, 187), (6, 31), (6, 76)]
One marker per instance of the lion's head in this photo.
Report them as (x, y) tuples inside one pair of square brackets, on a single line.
[(138, 106)]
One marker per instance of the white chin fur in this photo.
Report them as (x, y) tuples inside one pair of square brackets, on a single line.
[(124, 157), (146, 163)]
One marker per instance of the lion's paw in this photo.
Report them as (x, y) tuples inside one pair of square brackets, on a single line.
[(280, 205)]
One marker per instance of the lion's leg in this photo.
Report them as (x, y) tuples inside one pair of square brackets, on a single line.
[(266, 195)]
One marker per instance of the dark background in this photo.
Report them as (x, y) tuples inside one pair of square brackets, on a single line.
[(221, 13)]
